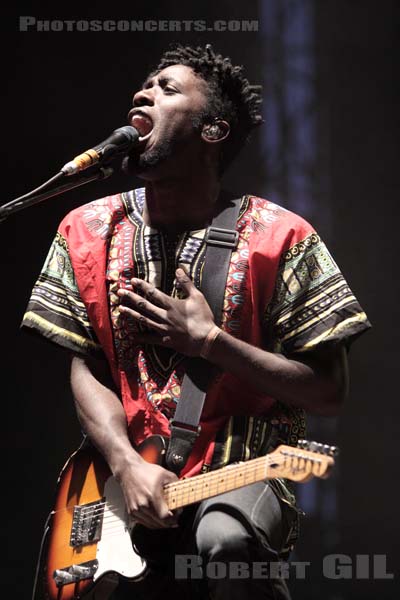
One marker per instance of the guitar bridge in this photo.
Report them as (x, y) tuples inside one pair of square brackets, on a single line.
[(87, 522)]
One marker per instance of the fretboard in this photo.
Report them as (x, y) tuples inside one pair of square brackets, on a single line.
[(207, 485)]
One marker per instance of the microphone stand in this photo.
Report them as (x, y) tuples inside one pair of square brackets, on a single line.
[(41, 193)]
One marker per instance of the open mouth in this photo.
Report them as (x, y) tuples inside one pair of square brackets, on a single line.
[(143, 124)]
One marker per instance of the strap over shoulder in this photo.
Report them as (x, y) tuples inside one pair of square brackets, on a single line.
[(221, 238)]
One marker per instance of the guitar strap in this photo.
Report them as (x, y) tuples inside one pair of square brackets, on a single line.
[(221, 239)]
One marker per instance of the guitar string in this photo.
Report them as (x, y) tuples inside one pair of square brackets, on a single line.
[(192, 486), (182, 499), (112, 523), (210, 479), (113, 527), (188, 487)]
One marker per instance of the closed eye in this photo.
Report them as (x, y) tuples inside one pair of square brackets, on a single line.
[(164, 83)]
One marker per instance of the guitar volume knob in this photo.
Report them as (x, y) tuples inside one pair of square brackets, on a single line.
[(62, 577)]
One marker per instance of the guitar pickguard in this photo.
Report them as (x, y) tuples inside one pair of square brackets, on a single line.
[(114, 549)]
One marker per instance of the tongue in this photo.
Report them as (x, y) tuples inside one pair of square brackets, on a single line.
[(142, 124)]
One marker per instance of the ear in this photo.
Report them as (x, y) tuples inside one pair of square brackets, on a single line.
[(216, 131)]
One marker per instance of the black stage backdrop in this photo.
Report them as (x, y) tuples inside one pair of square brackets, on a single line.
[(64, 92)]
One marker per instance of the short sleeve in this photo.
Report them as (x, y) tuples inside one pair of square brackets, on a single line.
[(55, 309), (312, 303)]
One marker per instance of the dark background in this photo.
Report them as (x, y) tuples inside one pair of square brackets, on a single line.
[(64, 92)]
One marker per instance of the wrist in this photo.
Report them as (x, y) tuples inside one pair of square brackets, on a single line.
[(120, 462), (208, 341)]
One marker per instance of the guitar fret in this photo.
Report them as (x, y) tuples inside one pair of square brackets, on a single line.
[(200, 487), (292, 463)]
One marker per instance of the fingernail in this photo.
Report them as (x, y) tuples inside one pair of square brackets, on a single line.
[(122, 292)]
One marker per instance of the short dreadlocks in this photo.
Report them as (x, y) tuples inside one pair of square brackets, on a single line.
[(231, 97)]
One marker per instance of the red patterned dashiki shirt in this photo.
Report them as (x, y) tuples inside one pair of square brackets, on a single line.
[(284, 293)]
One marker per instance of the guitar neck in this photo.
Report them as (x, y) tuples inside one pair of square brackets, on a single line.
[(194, 489), (296, 464)]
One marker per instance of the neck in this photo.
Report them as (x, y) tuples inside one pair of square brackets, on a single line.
[(181, 203)]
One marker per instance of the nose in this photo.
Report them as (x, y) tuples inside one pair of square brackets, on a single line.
[(144, 97)]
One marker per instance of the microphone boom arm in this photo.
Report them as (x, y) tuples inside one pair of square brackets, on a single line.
[(32, 198)]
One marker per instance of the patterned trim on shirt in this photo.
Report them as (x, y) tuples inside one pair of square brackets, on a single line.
[(246, 437), (56, 308), (312, 301)]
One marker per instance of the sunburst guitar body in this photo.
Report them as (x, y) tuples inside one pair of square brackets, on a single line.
[(89, 542)]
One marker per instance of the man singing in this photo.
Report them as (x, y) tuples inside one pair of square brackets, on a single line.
[(120, 289)]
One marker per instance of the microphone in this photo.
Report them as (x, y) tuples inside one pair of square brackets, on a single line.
[(120, 141)]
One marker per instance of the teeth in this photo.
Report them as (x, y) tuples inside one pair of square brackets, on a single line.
[(142, 123)]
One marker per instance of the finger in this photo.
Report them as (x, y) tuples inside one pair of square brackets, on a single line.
[(146, 521), (184, 282), (157, 520), (143, 306), (146, 515), (162, 512), (152, 294), (159, 504), (142, 320)]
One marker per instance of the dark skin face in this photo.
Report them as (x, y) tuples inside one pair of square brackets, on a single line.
[(178, 162), (173, 99)]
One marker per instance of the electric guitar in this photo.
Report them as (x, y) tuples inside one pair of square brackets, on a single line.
[(89, 538)]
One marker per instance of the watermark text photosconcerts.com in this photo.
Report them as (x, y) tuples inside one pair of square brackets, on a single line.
[(28, 23)]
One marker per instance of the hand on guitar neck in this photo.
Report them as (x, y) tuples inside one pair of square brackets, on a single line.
[(143, 488), (142, 479)]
